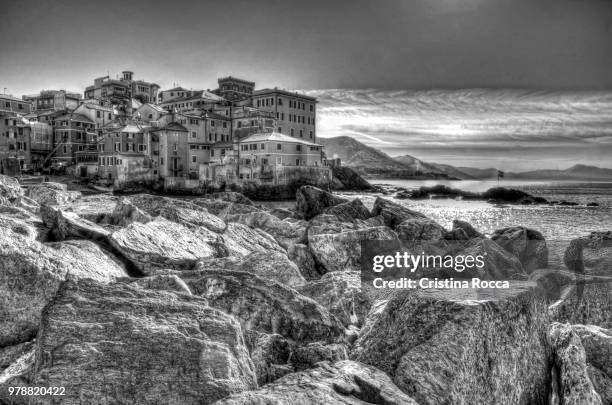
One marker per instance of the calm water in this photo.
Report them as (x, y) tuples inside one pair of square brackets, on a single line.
[(555, 222)]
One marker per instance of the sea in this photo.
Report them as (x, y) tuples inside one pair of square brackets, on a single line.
[(553, 221)]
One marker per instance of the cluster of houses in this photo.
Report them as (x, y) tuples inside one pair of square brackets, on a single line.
[(124, 131)]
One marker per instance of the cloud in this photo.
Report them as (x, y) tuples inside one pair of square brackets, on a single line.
[(512, 123)]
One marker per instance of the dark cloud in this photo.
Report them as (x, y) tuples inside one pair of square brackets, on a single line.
[(392, 44)]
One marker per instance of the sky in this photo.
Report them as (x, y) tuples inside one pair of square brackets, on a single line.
[(383, 46)]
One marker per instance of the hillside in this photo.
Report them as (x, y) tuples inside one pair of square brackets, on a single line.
[(371, 162)]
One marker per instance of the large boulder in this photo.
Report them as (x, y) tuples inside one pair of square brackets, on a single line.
[(122, 344), (66, 224), (143, 207), (286, 233), (264, 306), (469, 346), (222, 208), (10, 189), (193, 218), (590, 254), (52, 194), (342, 251), (301, 256), (96, 208), (349, 211), (161, 243), (597, 343), (271, 265), (270, 354), (308, 355), (126, 212), (241, 240), (344, 382), (420, 229), (570, 362), (527, 244), (461, 228), (341, 294), (327, 223), (393, 213), (31, 272), (499, 264), (21, 225), (576, 298), (311, 201)]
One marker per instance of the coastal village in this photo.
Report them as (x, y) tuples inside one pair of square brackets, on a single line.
[(123, 132)]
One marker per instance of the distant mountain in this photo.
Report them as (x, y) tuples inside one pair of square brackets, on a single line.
[(576, 172), (371, 162)]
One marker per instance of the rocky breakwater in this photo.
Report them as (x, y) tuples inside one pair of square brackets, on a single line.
[(464, 346), (148, 299)]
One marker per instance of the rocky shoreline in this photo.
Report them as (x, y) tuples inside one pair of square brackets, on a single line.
[(495, 195), (148, 299)]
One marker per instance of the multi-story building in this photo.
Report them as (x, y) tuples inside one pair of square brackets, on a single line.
[(27, 144), (11, 104), (273, 148), (129, 153), (250, 120), (295, 113), (175, 92), (234, 89), (121, 91), (53, 100), (149, 112), (74, 133), (193, 101)]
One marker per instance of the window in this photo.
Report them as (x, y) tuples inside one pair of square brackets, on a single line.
[(111, 117), (161, 161), (291, 131), (20, 106), (65, 149), (98, 114), (194, 158), (280, 130), (297, 162), (298, 148), (175, 147), (311, 134), (311, 108), (117, 146), (301, 133), (283, 116), (212, 123), (224, 124), (280, 101), (290, 103), (239, 124), (262, 146), (279, 146), (193, 134), (277, 115)]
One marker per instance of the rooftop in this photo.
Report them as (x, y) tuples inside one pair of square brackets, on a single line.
[(275, 137), (285, 92), (235, 79), (195, 96)]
